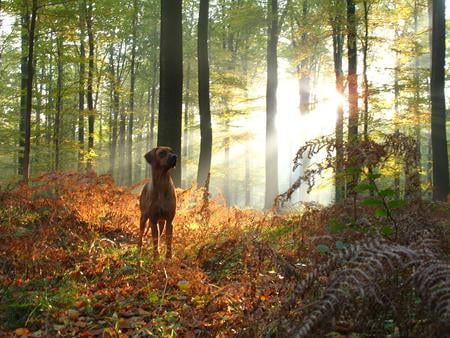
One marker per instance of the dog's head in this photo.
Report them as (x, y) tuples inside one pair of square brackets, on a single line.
[(161, 157)]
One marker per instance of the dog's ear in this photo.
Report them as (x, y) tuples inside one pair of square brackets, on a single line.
[(150, 156)]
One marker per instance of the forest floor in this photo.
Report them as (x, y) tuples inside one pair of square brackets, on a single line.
[(69, 264)]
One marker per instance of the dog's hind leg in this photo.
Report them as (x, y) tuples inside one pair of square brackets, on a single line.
[(155, 237), (161, 224), (169, 229), (142, 224)]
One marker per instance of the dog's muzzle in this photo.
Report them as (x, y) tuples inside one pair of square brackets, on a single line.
[(172, 161)]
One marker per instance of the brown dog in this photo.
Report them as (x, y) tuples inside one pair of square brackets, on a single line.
[(158, 199)]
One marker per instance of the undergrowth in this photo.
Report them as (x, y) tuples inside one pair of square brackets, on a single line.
[(69, 266)]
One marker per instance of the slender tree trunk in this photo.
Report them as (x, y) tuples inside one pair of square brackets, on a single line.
[(25, 21), (115, 113), (204, 165), (412, 170), (305, 70), (59, 102), (90, 80), (132, 90), (81, 91), (338, 48), (226, 166), (48, 136), (271, 106), (396, 115), (121, 145), (365, 47), (29, 91), (171, 80), (40, 90), (352, 75), (152, 108), (438, 112), (187, 106), (365, 50), (352, 87)]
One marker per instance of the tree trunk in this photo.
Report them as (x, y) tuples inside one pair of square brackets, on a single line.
[(115, 113), (29, 92), (204, 165), (171, 80), (152, 111), (39, 89), (59, 102), (352, 75), (90, 80), (412, 170), (438, 112), (187, 106), (129, 169), (121, 145), (352, 87), (365, 47), (25, 21), (338, 48), (81, 91), (305, 71), (396, 115), (271, 106), (226, 166)]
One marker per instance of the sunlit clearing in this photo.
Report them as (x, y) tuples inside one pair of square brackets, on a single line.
[(294, 129)]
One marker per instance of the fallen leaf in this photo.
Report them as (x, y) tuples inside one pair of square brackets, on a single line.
[(22, 331), (73, 314)]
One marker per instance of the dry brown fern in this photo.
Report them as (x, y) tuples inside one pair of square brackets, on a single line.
[(360, 275)]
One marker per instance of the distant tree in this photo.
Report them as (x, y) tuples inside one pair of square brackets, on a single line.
[(352, 53), (90, 84), (337, 26), (438, 112), (59, 101), (171, 80), (82, 75), (129, 169), (352, 71), (271, 105), (204, 165), (28, 40)]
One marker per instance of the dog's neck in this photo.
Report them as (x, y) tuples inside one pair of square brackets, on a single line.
[(161, 181)]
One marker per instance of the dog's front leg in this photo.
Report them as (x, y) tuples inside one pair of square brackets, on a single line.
[(155, 238), (169, 228)]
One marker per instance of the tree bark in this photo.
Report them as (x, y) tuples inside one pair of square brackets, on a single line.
[(305, 71), (271, 170), (352, 75), (29, 92), (90, 80), (171, 80), (204, 165), (338, 49), (81, 91), (438, 112), (352, 88), (412, 170), (132, 90), (25, 22), (365, 47), (59, 102), (115, 113)]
